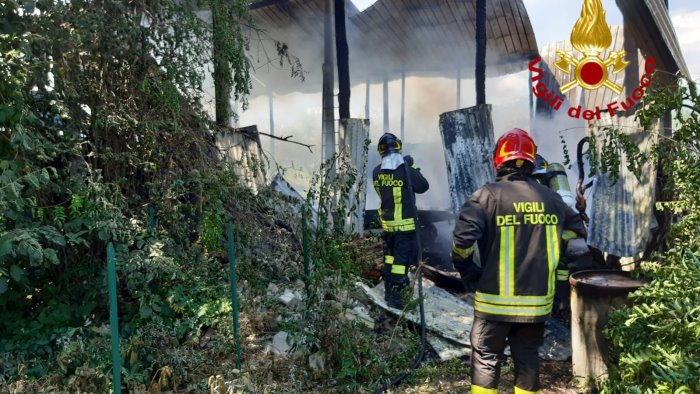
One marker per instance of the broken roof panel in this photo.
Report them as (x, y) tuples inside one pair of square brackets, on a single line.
[(430, 38), (651, 25)]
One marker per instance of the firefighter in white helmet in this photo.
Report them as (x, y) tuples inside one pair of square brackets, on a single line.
[(396, 180)]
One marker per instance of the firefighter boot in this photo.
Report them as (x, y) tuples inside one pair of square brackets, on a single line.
[(396, 289), (386, 275)]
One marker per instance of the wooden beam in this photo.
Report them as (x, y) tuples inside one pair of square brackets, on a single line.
[(367, 99), (480, 69), (459, 87), (403, 103), (385, 90), (328, 137), (343, 61), (272, 124)]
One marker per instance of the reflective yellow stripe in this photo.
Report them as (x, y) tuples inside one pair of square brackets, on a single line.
[(398, 225), (398, 269), (518, 390), (568, 235), (511, 257), (552, 256), (389, 260), (507, 264), (483, 390), (524, 310), (398, 207), (502, 263), (555, 240), (562, 274), (463, 252), (512, 301)]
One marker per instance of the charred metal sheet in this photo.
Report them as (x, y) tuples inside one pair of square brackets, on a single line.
[(280, 185), (445, 314), (429, 38), (622, 212), (354, 138), (449, 319), (446, 349), (242, 147), (467, 137)]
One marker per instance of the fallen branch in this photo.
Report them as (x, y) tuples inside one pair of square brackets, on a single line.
[(287, 139), (243, 131)]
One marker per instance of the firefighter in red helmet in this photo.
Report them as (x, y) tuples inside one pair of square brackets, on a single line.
[(396, 180), (520, 228)]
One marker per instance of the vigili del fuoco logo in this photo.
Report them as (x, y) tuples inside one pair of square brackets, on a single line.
[(591, 37)]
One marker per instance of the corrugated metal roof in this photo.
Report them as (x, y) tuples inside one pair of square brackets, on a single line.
[(393, 36), (652, 28), (622, 215)]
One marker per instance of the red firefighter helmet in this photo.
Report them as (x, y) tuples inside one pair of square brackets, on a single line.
[(513, 145)]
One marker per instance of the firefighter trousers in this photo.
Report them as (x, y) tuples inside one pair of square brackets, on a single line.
[(488, 340), (400, 253)]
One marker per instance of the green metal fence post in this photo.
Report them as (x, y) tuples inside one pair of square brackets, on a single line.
[(151, 218), (114, 319), (234, 291), (305, 240)]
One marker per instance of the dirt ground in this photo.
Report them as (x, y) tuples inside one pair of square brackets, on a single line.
[(555, 378)]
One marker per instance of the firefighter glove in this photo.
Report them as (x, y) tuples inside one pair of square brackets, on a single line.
[(409, 161), (469, 272)]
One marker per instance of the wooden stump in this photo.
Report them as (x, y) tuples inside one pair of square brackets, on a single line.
[(593, 295)]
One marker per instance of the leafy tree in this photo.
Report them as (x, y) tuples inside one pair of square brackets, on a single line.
[(656, 341), (100, 120)]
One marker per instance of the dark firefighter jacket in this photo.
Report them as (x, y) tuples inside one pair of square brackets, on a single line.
[(520, 227), (396, 212)]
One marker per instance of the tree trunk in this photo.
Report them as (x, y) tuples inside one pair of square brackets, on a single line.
[(480, 69), (342, 55), (222, 70), (328, 138)]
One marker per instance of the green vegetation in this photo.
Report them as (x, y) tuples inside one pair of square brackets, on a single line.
[(103, 139), (656, 341)]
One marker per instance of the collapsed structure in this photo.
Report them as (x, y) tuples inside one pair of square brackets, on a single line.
[(394, 39)]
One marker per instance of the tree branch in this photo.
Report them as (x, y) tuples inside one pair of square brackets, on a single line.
[(285, 139)]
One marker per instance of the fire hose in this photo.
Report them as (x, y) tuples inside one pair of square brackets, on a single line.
[(580, 187), (419, 278)]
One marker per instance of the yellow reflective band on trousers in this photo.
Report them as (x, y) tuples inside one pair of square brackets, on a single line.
[(562, 274), (398, 207), (518, 390), (398, 269), (389, 260), (463, 252), (552, 255), (506, 269), (483, 390)]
